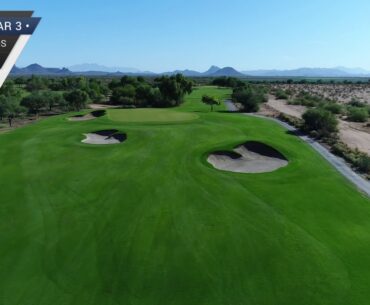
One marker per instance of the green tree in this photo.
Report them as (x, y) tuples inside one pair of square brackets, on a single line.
[(97, 90), (250, 98), (53, 99), (3, 106), (143, 94), (209, 100), (155, 97), (14, 110), (173, 89), (128, 80), (34, 102), (120, 95), (230, 82), (10, 108), (10, 88), (76, 99), (36, 83)]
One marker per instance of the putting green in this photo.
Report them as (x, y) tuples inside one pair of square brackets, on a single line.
[(150, 115), (151, 222)]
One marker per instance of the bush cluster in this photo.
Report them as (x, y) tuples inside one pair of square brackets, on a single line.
[(358, 159), (319, 122), (281, 94), (249, 97)]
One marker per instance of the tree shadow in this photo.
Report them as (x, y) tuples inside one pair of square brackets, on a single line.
[(296, 133), (228, 111)]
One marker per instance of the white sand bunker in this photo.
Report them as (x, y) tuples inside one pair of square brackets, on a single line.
[(90, 116), (250, 157), (104, 137)]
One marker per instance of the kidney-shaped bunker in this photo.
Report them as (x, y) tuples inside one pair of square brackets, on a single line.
[(250, 157), (103, 137)]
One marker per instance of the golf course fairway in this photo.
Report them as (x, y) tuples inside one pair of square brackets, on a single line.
[(150, 115), (150, 222)]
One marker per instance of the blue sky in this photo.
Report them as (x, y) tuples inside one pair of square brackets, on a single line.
[(161, 35)]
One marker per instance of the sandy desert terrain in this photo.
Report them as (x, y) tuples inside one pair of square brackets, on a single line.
[(355, 135)]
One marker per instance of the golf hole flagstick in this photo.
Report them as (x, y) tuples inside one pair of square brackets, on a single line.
[(16, 28)]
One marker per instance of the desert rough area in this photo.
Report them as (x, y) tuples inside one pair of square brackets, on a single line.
[(355, 135), (342, 93)]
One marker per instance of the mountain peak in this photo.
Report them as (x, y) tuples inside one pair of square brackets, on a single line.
[(212, 69), (36, 69), (227, 71), (34, 66)]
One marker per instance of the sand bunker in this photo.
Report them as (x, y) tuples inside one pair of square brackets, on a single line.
[(250, 157), (104, 137), (90, 116)]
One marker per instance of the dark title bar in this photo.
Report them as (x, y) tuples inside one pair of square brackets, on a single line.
[(18, 26)]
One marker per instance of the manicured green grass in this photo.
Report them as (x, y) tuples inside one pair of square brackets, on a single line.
[(193, 103), (149, 115), (149, 222)]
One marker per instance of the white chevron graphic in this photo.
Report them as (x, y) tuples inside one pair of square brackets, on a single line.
[(12, 58)]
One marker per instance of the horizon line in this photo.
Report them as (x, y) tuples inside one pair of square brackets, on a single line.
[(194, 69)]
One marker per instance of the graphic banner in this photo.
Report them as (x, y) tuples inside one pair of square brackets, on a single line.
[(16, 27)]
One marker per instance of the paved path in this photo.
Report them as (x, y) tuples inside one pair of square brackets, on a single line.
[(361, 183)]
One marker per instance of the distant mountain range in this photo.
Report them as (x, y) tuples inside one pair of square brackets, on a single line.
[(100, 68), (39, 70), (311, 72), (213, 71)]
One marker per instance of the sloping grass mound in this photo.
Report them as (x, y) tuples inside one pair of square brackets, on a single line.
[(250, 157)]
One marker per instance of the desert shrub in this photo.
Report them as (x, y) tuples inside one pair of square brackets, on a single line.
[(357, 159), (306, 99), (281, 94), (333, 108), (363, 164), (314, 134), (321, 121), (340, 149), (297, 123), (356, 103), (356, 114), (303, 102)]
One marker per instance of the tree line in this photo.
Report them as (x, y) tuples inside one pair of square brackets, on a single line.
[(165, 91), (34, 95)]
